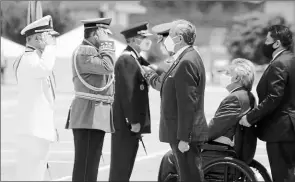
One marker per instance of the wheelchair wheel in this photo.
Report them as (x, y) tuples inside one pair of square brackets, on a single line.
[(263, 174), (228, 169)]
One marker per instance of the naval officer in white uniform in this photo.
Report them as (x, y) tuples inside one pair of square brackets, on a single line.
[(36, 86)]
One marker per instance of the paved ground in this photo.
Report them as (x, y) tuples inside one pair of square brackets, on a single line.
[(61, 159)]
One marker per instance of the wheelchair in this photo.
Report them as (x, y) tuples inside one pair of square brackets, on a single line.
[(222, 163), (229, 168)]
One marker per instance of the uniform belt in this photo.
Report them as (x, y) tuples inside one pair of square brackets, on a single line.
[(95, 97)]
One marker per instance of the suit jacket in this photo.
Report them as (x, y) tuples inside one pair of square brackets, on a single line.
[(182, 100), (131, 101), (95, 67), (35, 115), (275, 114), (229, 113)]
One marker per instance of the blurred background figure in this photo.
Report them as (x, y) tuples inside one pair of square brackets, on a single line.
[(3, 66)]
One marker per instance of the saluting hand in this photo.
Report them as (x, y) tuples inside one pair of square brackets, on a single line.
[(183, 146), (102, 34), (135, 127), (48, 39)]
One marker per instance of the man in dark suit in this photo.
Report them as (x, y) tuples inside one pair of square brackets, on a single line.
[(131, 103), (183, 124), (275, 114)]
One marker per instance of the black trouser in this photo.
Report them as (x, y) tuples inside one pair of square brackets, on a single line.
[(124, 147), (88, 148), (167, 171), (188, 164), (281, 156)]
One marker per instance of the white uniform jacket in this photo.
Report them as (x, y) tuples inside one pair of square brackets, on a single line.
[(36, 93)]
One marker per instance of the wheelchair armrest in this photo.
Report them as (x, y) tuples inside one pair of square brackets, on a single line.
[(215, 147)]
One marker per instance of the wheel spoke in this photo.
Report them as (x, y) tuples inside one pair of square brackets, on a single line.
[(225, 173)]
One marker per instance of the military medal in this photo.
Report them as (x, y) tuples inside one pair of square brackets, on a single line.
[(141, 87)]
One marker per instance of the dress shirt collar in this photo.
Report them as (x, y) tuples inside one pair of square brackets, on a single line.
[(276, 55), (177, 54)]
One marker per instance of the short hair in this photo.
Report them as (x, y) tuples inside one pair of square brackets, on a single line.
[(89, 31), (186, 29), (245, 70), (283, 34), (30, 37)]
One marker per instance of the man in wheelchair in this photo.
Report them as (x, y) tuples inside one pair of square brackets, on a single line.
[(238, 79)]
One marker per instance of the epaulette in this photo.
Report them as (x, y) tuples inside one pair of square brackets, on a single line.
[(107, 46), (129, 53), (87, 50)]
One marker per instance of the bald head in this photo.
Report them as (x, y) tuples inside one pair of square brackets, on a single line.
[(185, 29)]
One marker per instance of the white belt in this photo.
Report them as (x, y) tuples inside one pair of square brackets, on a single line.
[(225, 140), (95, 97)]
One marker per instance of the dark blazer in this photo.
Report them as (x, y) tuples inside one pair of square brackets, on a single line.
[(131, 98), (229, 113), (275, 114), (182, 100)]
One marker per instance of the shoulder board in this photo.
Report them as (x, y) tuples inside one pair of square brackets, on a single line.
[(107, 46), (87, 50), (129, 53)]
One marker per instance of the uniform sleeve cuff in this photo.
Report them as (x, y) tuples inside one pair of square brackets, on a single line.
[(250, 119), (184, 137)]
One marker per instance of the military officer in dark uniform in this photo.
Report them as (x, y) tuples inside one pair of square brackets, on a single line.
[(131, 103)]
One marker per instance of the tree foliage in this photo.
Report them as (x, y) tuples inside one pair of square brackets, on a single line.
[(247, 34), (14, 18)]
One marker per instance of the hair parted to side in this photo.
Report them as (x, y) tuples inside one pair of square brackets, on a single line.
[(283, 34), (245, 70), (185, 29)]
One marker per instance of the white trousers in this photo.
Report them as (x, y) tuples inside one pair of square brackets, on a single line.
[(31, 158)]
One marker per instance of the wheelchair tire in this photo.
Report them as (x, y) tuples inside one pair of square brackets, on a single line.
[(261, 170), (238, 171)]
